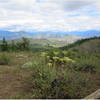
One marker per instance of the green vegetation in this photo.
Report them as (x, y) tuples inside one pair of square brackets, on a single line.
[(23, 45), (57, 81), (5, 59), (80, 42), (4, 45), (68, 72)]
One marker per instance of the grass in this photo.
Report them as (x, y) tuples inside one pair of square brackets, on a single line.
[(5, 59), (51, 74), (60, 81)]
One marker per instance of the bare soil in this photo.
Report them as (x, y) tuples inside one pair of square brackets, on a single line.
[(12, 79)]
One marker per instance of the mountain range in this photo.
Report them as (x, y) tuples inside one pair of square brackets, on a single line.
[(9, 35)]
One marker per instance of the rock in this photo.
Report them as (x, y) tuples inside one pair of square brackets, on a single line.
[(27, 65), (21, 56)]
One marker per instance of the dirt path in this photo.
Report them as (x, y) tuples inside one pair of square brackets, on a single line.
[(12, 82)]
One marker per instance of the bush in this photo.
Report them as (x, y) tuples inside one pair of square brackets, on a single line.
[(70, 85), (5, 59), (50, 82), (57, 58), (27, 65), (42, 77), (87, 68), (69, 53), (86, 64), (23, 45)]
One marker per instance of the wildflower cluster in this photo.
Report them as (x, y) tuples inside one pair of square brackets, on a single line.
[(57, 58)]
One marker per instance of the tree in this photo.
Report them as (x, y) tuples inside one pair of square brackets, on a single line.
[(13, 45), (4, 45), (24, 44)]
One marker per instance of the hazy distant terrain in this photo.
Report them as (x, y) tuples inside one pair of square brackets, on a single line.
[(10, 35), (55, 39)]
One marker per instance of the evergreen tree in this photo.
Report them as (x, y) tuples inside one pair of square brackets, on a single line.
[(4, 45)]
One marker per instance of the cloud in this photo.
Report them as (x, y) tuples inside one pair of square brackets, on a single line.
[(53, 15), (76, 4)]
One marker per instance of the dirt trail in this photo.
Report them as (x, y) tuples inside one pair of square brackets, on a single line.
[(11, 82)]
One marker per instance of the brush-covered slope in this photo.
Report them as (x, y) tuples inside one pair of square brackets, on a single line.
[(89, 45)]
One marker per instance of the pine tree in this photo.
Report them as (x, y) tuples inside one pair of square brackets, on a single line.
[(4, 45)]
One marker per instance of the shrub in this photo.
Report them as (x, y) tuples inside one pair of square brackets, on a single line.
[(70, 85), (27, 65), (44, 54), (87, 68), (69, 53), (86, 64), (68, 60), (5, 59), (50, 82), (41, 78), (57, 58)]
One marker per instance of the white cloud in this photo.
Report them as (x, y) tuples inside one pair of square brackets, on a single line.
[(53, 15)]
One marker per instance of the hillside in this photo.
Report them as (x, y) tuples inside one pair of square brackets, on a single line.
[(88, 45), (10, 35), (65, 73), (86, 34), (54, 39), (53, 42)]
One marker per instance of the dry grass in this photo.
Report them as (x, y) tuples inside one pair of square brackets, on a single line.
[(12, 76), (13, 79)]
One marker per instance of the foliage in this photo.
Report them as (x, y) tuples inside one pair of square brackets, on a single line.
[(23, 45), (41, 78), (58, 73), (27, 65), (54, 58), (79, 42), (4, 45), (50, 82), (5, 59)]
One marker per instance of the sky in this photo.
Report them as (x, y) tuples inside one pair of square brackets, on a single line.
[(50, 15)]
